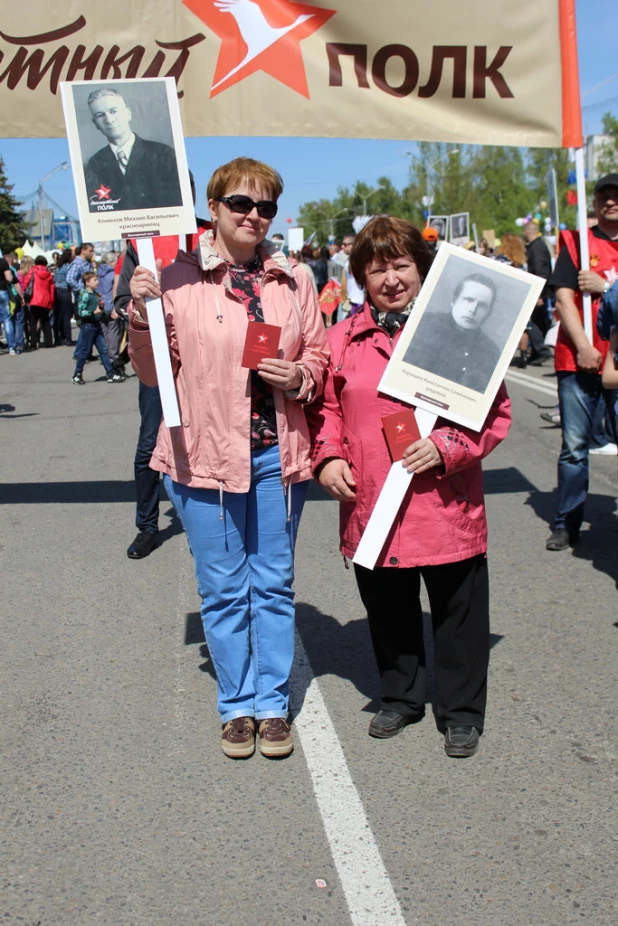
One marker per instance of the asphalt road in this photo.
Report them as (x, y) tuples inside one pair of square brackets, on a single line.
[(118, 806)]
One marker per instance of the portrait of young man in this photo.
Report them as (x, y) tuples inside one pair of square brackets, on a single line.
[(129, 172), (453, 344)]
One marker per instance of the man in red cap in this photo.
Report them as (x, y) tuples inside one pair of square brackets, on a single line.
[(431, 237)]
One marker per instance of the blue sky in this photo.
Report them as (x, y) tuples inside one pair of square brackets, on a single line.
[(313, 168)]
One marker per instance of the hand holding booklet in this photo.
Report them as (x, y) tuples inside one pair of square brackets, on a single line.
[(400, 430), (262, 341)]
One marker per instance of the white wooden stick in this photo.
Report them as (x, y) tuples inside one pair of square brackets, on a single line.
[(160, 347), (389, 501), (582, 221)]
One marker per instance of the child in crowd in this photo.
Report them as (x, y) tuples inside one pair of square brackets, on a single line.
[(89, 312)]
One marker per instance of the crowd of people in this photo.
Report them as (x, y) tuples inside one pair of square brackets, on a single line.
[(40, 302), (237, 469)]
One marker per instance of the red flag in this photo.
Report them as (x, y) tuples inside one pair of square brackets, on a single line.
[(571, 198), (330, 297)]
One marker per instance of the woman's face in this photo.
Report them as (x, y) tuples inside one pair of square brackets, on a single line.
[(392, 284), (236, 229)]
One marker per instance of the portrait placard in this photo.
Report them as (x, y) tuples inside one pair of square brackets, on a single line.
[(128, 158), (460, 339), (459, 226), (440, 223)]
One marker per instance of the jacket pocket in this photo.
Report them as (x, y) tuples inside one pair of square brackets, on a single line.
[(451, 501)]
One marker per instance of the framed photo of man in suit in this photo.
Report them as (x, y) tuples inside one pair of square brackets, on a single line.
[(128, 157), (460, 338)]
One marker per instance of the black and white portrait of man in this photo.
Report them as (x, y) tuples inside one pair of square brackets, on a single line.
[(460, 227), (129, 171), (440, 223)]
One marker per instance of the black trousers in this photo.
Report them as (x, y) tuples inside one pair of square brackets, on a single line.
[(62, 316), (146, 479), (459, 601), (41, 321)]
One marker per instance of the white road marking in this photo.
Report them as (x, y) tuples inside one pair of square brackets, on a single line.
[(367, 887), (522, 379)]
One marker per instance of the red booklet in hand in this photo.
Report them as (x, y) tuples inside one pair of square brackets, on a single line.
[(400, 431), (262, 341)]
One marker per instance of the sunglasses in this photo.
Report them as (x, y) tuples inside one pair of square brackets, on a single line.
[(243, 205)]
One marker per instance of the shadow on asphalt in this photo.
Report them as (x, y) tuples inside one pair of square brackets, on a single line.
[(343, 650), (599, 543), (508, 479)]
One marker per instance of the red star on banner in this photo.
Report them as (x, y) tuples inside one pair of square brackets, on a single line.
[(260, 35), (103, 191)]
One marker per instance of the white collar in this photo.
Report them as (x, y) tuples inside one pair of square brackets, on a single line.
[(127, 147)]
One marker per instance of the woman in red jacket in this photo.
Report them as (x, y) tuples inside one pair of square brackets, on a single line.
[(41, 303), (440, 533)]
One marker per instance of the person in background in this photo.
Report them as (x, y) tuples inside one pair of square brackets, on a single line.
[(41, 302), (11, 308), (352, 293), (82, 263), (579, 361), (532, 349), (114, 325), (63, 308), (26, 264), (237, 469), (279, 240), (440, 533), (90, 311), (431, 239)]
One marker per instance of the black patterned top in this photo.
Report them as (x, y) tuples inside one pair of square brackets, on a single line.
[(246, 280)]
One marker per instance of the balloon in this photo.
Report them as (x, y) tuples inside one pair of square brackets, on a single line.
[(19, 252), (289, 220), (538, 216), (562, 226), (520, 222), (543, 205)]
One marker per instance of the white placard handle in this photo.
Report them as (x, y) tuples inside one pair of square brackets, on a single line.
[(582, 221), (160, 347), (389, 501)]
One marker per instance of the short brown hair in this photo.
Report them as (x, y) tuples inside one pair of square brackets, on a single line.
[(385, 238), (88, 276), (230, 175)]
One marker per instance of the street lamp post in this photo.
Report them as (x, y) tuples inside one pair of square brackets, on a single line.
[(64, 166), (427, 200)]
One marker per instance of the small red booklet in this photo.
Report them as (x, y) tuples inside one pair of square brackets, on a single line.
[(400, 431), (262, 341)]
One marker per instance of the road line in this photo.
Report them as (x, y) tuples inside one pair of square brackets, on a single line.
[(367, 887), (523, 380)]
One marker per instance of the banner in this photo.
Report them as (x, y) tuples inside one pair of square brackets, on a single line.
[(470, 72)]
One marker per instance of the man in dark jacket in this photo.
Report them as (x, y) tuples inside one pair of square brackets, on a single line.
[(454, 346), (129, 172), (539, 263)]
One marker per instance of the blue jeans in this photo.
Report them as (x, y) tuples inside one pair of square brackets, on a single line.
[(13, 325), (244, 563), (90, 334), (579, 395), (146, 479)]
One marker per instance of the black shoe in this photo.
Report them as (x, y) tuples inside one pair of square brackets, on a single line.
[(461, 742), (78, 379), (143, 545), (390, 723), (115, 378), (561, 539)]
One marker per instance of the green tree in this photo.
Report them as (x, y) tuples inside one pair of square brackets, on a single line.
[(540, 162), (608, 160), (13, 231)]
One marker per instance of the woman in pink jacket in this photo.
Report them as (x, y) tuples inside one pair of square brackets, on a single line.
[(440, 533), (237, 468)]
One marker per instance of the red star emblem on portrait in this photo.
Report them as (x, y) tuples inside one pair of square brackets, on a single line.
[(260, 35), (103, 191)]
